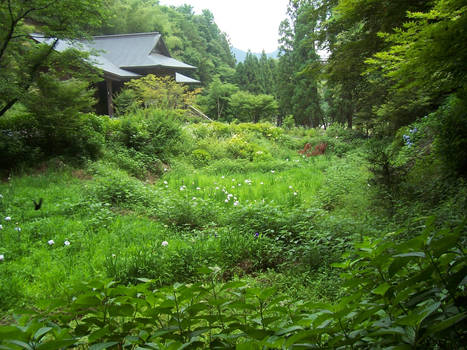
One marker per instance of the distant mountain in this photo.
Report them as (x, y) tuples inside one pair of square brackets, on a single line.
[(240, 54)]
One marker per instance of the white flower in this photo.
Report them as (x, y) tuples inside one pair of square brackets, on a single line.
[(67, 243), (239, 185), (295, 193), (113, 256), (18, 229), (198, 188), (236, 203), (229, 195), (165, 169), (165, 243), (233, 180), (222, 177), (1, 196), (50, 242), (272, 171), (7, 218), (233, 186), (165, 182), (290, 187), (227, 201), (182, 188), (2, 257), (261, 183), (194, 198), (217, 187), (1, 227)]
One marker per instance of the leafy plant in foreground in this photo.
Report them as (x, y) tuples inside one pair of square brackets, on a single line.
[(403, 294)]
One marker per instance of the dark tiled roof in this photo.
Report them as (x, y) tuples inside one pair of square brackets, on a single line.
[(119, 54)]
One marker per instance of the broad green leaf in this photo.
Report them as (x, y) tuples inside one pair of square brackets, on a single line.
[(99, 334), (101, 346), (445, 324), (411, 254), (248, 346), (57, 344), (40, 332), (381, 289)]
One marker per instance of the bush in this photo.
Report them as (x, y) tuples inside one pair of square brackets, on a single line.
[(154, 132), (27, 139)]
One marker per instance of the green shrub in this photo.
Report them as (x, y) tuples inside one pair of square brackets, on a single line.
[(154, 132), (200, 157)]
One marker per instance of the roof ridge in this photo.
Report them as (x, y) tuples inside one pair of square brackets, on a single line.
[(123, 35)]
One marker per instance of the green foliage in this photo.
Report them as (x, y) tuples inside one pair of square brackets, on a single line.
[(253, 108), (23, 60), (154, 132), (429, 47), (26, 139), (156, 92), (451, 140), (297, 90), (216, 101), (402, 293)]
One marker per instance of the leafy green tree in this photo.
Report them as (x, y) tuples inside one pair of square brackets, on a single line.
[(21, 58), (161, 92), (350, 34), (297, 85), (216, 101), (252, 108), (425, 62)]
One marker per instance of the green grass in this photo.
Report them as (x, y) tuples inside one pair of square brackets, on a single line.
[(248, 217)]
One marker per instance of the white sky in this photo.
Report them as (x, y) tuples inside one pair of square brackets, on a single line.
[(250, 24)]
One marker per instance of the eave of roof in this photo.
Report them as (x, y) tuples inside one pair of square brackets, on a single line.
[(180, 78)]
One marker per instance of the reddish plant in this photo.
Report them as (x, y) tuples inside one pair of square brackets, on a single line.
[(309, 151)]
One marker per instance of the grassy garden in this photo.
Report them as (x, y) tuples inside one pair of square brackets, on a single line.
[(230, 235)]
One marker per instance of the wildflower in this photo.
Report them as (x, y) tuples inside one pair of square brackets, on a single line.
[(272, 171), (1, 227), (182, 188), (1, 196), (18, 229), (236, 203), (222, 177), (233, 180), (165, 182), (295, 193), (7, 218), (50, 242), (114, 256), (290, 187), (261, 183), (227, 201), (165, 169), (2, 257), (217, 187), (229, 195), (233, 186), (257, 234), (194, 198), (165, 243), (67, 243), (239, 185)]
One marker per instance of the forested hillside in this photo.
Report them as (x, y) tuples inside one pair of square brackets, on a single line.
[(309, 201)]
